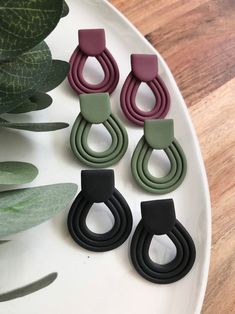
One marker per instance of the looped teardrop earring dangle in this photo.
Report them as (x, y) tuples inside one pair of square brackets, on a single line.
[(144, 68), (95, 109), (98, 187), (158, 218), (92, 44), (159, 134)]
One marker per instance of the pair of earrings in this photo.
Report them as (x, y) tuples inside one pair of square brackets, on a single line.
[(158, 134), (144, 68), (158, 218)]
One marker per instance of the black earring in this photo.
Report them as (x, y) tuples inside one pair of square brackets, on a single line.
[(97, 187), (158, 218)]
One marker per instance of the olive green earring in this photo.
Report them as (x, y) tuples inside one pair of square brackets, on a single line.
[(159, 134), (95, 109)]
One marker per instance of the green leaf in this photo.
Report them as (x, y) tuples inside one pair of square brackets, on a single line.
[(65, 10), (34, 127), (24, 106), (4, 241), (4, 108), (23, 209), (28, 289), (58, 72), (24, 24), (20, 78), (15, 172), (36, 102)]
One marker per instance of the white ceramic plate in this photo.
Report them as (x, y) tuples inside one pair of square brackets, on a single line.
[(106, 283)]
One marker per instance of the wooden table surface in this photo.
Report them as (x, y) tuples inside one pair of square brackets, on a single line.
[(197, 40)]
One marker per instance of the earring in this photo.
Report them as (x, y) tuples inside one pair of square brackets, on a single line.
[(144, 68), (158, 134), (95, 109), (158, 218), (92, 44), (98, 187)]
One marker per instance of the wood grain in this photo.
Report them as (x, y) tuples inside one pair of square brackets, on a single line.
[(197, 39)]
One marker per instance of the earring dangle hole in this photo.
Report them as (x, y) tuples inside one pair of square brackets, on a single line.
[(99, 219), (93, 72), (162, 250), (99, 139), (145, 98)]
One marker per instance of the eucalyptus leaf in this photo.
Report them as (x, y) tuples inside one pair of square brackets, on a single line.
[(33, 127), (24, 24), (24, 106), (58, 72), (4, 241), (20, 78), (28, 289), (23, 209), (65, 10), (8, 105), (15, 172), (38, 101)]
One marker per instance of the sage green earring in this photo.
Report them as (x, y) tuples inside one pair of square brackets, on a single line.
[(159, 134), (96, 109)]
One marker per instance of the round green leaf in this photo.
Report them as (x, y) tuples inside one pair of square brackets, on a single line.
[(8, 106), (38, 101), (24, 24), (25, 106), (20, 78), (65, 10), (58, 72), (15, 172), (23, 209)]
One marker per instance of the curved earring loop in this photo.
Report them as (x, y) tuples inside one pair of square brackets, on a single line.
[(98, 187), (95, 109), (144, 68), (159, 134), (158, 218), (92, 44)]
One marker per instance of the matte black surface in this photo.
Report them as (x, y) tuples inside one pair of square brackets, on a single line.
[(98, 186), (158, 216), (185, 248)]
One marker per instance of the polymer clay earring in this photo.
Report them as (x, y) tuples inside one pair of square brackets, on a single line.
[(144, 68), (95, 109), (158, 134), (92, 44), (158, 218), (98, 187)]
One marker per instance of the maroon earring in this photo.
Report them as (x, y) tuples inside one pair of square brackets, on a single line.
[(92, 44), (144, 68)]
